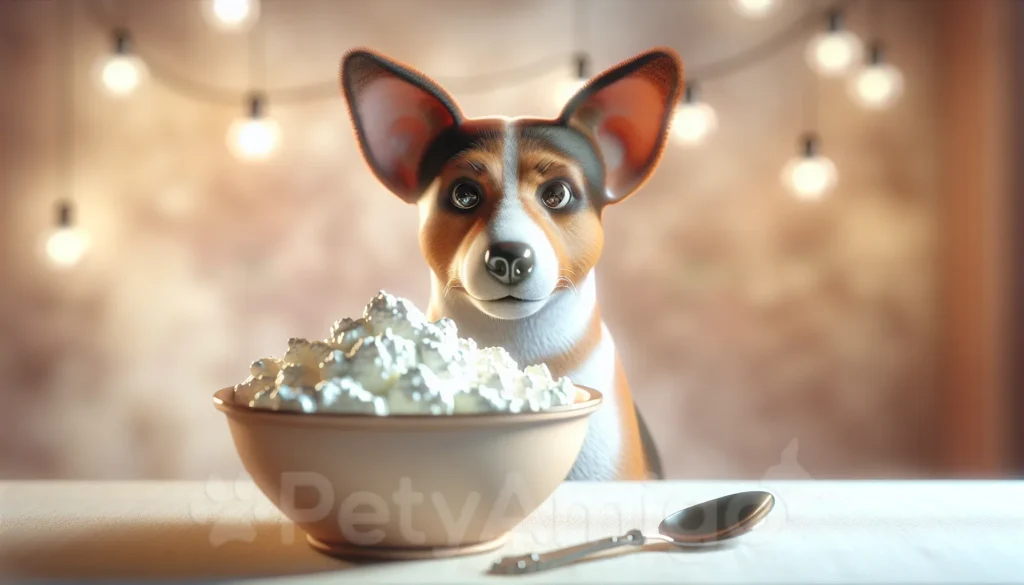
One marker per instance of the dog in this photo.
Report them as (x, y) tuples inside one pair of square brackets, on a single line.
[(510, 216)]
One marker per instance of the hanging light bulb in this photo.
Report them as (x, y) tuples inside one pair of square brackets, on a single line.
[(755, 8), (834, 52), (568, 87), (121, 72), (810, 175), (693, 120), (67, 244), (231, 15), (877, 85), (253, 137)]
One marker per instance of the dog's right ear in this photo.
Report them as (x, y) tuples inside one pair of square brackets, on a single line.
[(397, 113)]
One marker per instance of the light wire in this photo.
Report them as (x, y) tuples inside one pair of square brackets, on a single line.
[(66, 102), (467, 84)]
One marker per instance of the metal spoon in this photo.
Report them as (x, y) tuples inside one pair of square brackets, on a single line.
[(703, 524)]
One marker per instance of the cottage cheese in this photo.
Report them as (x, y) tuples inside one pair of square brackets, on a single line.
[(393, 361)]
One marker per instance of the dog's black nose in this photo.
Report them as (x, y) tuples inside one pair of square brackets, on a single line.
[(509, 262)]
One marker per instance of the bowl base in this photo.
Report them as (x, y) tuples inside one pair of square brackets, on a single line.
[(352, 551)]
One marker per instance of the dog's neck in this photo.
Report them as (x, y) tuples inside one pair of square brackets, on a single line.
[(554, 331)]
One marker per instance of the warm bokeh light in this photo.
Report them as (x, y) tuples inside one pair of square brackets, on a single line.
[(834, 53), (253, 138), (231, 15), (755, 8), (693, 122), (66, 246), (121, 74), (810, 177), (876, 86)]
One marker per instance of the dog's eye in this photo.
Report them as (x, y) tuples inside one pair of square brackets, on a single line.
[(556, 195), (465, 195)]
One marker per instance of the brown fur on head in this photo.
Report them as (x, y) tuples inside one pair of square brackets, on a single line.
[(511, 208)]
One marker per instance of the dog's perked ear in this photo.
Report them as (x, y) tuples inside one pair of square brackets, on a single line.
[(626, 110), (397, 113)]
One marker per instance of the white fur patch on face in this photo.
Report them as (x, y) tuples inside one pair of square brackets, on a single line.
[(510, 160), (510, 224)]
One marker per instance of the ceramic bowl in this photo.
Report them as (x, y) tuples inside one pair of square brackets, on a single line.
[(408, 486)]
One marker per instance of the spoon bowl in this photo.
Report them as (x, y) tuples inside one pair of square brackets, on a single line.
[(716, 520)]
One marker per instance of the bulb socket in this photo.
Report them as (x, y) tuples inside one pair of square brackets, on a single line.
[(582, 66), (810, 145), (876, 55), (122, 42), (257, 106), (64, 214), (690, 92), (835, 21)]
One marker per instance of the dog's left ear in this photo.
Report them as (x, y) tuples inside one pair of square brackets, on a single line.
[(397, 113), (626, 110)]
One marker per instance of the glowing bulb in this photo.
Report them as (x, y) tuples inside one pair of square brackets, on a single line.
[(568, 87), (755, 8), (834, 52), (231, 15), (66, 245), (121, 72), (254, 137), (810, 176), (877, 85), (692, 121)]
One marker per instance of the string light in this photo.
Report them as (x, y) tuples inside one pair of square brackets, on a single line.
[(231, 15), (253, 137), (66, 244), (121, 72), (810, 175), (755, 8), (568, 87), (878, 84), (834, 52), (693, 120), (484, 83)]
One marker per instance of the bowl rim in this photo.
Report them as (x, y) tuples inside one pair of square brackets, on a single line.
[(581, 408)]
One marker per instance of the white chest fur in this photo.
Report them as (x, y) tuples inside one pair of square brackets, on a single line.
[(551, 332), (599, 457)]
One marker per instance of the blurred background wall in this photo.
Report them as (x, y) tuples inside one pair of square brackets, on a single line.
[(861, 335)]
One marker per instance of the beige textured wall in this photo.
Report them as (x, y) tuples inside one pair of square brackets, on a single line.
[(761, 334)]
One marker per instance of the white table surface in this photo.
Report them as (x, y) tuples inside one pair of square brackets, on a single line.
[(820, 532)]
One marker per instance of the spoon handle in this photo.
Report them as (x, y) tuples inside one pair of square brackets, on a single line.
[(531, 563)]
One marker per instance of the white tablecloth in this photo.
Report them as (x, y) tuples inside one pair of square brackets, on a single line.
[(820, 532)]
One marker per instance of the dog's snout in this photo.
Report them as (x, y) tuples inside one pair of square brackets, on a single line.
[(509, 262)]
